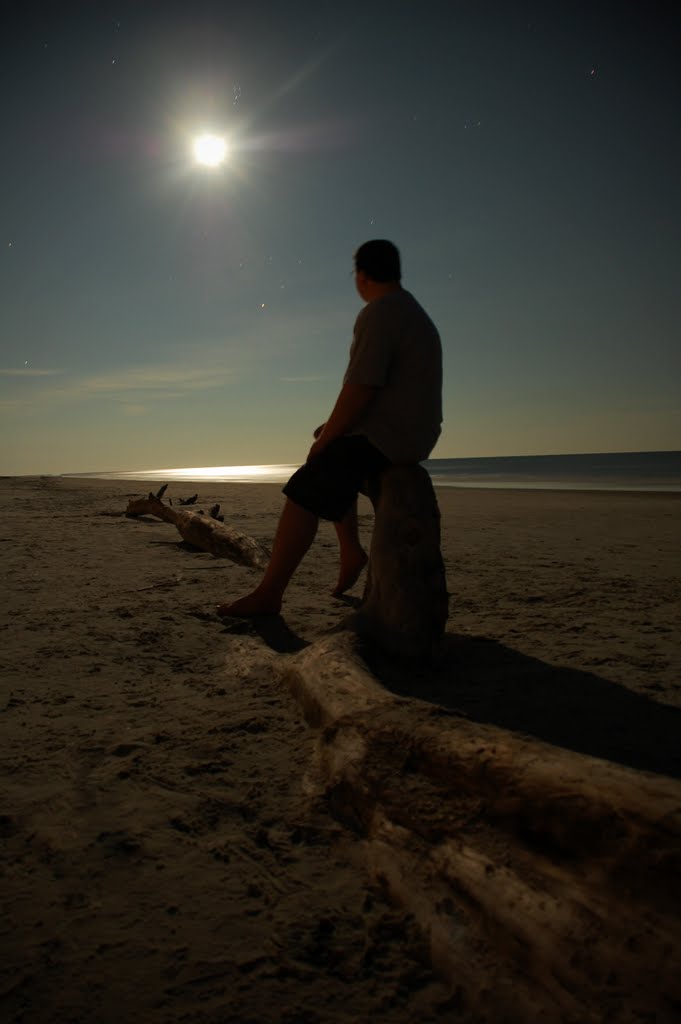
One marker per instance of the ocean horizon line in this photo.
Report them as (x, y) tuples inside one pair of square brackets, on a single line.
[(641, 471)]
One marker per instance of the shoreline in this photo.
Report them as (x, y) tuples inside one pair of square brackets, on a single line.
[(611, 471), (674, 492)]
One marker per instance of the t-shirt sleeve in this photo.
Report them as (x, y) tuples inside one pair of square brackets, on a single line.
[(370, 353)]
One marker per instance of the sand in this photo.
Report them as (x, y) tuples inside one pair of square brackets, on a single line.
[(167, 852)]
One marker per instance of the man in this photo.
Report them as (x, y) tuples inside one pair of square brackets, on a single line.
[(389, 411)]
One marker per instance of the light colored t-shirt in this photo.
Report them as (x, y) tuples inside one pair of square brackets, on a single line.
[(396, 348)]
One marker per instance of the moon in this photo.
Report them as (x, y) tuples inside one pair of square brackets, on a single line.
[(210, 150)]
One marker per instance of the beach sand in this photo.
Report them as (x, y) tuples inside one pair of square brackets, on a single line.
[(166, 854)]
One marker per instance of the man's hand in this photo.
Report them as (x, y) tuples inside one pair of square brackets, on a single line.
[(350, 404)]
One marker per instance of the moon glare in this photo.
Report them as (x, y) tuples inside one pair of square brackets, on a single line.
[(210, 150)]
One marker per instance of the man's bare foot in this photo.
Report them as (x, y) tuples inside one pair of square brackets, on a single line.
[(350, 572), (250, 606)]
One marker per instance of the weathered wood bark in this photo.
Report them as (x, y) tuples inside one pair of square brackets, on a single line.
[(548, 882), (404, 609), (204, 532)]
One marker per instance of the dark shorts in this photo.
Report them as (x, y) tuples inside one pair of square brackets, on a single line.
[(330, 482)]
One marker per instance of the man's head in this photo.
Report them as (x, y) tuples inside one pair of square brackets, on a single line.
[(377, 269), (379, 259)]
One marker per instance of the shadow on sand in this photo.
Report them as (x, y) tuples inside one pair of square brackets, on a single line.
[(272, 630), (491, 683), (580, 711)]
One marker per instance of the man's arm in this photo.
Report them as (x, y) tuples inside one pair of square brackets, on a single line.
[(350, 404)]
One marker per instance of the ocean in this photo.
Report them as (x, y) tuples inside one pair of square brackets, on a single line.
[(608, 471)]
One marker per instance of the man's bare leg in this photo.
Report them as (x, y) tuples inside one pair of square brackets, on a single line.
[(353, 557), (295, 533)]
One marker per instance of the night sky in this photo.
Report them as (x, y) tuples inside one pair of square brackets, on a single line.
[(525, 157)]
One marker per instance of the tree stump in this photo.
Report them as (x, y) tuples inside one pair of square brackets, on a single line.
[(404, 609)]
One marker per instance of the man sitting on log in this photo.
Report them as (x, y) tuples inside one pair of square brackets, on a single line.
[(389, 411)]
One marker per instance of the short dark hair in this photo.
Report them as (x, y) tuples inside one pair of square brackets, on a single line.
[(379, 259)]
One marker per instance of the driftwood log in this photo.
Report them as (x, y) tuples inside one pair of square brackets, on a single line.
[(404, 609), (202, 531), (548, 882)]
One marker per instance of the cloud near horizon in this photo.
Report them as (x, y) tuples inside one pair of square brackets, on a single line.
[(151, 383), (157, 380), (311, 379)]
